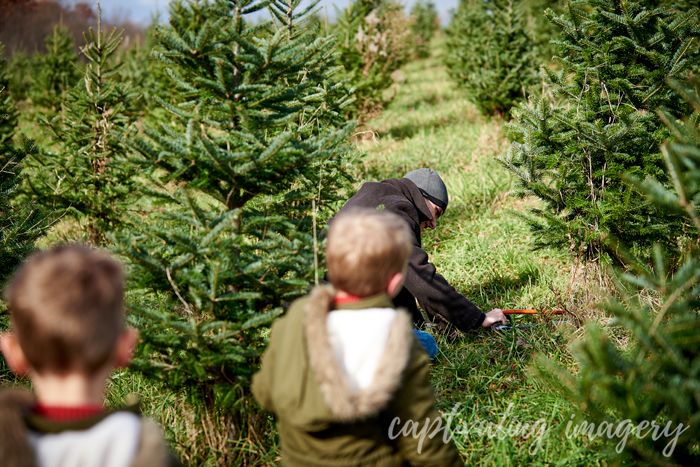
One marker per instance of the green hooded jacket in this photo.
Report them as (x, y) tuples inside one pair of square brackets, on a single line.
[(17, 422), (322, 422)]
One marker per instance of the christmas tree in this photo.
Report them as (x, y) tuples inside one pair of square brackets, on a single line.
[(250, 160), (426, 22), (491, 55), (20, 222), (655, 378), (20, 225), (21, 72), (8, 113), (613, 59), (55, 71), (144, 72), (374, 40), (87, 177)]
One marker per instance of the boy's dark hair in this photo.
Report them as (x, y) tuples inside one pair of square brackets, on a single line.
[(67, 309)]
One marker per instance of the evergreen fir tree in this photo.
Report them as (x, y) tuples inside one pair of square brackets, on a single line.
[(490, 54), (655, 378), (613, 57), (144, 72), (20, 225), (8, 113), (56, 71), (540, 28), (258, 140), (21, 73), (374, 40), (88, 177), (426, 22)]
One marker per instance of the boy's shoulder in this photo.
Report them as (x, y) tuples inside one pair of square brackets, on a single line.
[(122, 436), (298, 307), (15, 448), (295, 317)]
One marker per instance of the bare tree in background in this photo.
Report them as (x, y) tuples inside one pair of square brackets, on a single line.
[(25, 23)]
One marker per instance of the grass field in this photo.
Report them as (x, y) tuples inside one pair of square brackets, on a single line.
[(485, 251)]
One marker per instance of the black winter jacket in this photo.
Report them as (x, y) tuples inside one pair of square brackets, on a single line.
[(434, 294)]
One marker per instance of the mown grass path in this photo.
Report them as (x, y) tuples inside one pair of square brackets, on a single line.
[(484, 250)]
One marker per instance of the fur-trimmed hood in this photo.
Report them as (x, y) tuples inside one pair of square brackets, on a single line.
[(336, 378), (306, 384), (346, 403)]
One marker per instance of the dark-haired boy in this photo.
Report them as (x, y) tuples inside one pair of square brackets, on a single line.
[(67, 311)]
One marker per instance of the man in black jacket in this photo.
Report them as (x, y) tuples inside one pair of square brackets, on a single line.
[(420, 198)]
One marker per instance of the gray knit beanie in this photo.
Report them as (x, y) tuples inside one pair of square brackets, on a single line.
[(430, 185)]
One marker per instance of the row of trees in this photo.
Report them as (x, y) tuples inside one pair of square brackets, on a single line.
[(375, 38), (495, 48), (582, 89), (606, 136), (654, 379), (25, 23), (208, 170)]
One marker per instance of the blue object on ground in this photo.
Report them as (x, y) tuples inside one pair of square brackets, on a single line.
[(428, 342)]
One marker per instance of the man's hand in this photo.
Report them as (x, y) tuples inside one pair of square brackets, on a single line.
[(494, 316)]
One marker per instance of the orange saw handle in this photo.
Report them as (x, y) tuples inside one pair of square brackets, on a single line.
[(533, 312)]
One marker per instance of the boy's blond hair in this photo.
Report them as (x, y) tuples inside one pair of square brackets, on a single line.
[(67, 309), (365, 248)]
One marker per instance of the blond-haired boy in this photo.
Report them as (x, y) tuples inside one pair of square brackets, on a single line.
[(343, 364), (68, 334)]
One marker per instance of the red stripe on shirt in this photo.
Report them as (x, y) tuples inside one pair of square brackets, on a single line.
[(345, 299), (67, 414)]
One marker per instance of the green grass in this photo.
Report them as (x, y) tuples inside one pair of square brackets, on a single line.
[(482, 248), (199, 439), (485, 251)]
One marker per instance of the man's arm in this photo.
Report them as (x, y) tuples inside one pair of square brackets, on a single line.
[(432, 291), (437, 296)]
